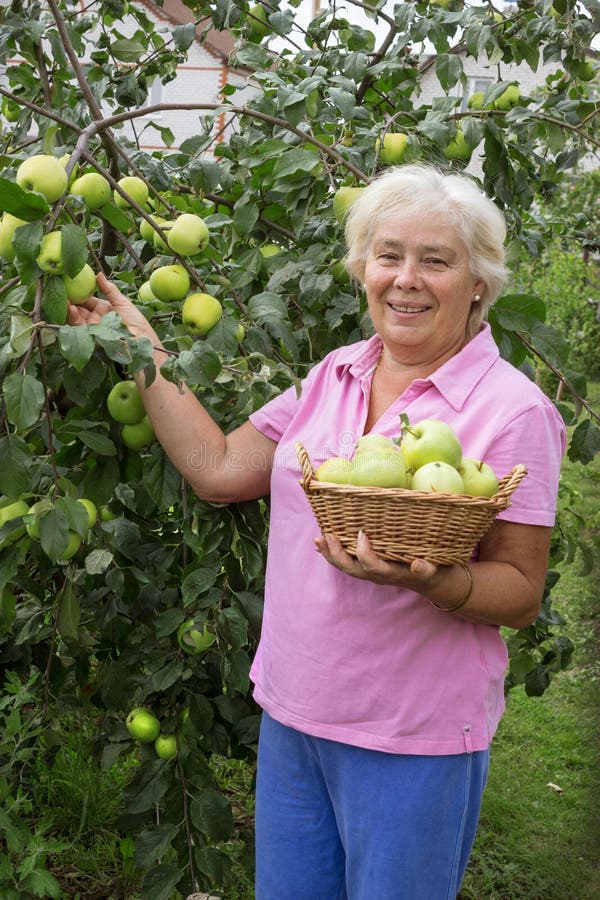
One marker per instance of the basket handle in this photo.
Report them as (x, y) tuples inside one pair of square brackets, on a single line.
[(510, 482), (308, 473)]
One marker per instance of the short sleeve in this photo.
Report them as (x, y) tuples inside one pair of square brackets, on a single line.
[(537, 439), (273, 418)]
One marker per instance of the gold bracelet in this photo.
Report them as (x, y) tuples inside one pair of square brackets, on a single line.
[(467, 594)]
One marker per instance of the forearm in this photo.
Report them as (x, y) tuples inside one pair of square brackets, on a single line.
[(500, 595)]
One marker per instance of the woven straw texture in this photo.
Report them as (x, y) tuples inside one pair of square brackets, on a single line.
[(403, 525)]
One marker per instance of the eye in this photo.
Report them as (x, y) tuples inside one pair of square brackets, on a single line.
[(436, 261)]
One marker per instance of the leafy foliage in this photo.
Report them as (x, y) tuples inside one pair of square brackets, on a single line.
[(99, 629)]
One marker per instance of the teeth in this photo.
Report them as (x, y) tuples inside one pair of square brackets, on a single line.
[(408, 309)]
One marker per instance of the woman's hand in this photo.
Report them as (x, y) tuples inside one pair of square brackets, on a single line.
[(419, 576), (92, 311)]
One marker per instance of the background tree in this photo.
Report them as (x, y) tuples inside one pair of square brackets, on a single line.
[(155, 603)]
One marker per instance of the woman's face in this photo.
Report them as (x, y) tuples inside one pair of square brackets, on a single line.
[(419, 289)]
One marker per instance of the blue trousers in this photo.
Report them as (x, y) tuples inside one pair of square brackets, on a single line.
[(336, 822)]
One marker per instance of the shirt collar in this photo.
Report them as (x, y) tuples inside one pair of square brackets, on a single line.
[(455, 379)]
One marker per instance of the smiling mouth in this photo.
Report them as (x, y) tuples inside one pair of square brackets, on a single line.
[(398, 307)]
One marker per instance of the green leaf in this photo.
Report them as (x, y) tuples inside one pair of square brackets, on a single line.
[(211, 814), (167, 676), (26, 241), (519, 312), (24, 396), (54, 300), (161, 881), (98, 561), (267, 308), (69, 613), (183, 35), (74, 249), (161, 478), (15, 463), (449, 69), (41, 883), (148, 786), (26, 205), (76, 345), (196, 583), (153, 843), (98, 442), (54, 534), (585, 442), (126, 50)]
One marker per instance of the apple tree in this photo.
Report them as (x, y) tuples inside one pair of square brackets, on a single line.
[(146, 597)]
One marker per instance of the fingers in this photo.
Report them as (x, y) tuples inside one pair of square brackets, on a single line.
[(370, 567)]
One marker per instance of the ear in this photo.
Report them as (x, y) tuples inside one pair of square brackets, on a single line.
[(479, 288)]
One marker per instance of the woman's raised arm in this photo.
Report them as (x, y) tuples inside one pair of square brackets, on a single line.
[(219, 467)]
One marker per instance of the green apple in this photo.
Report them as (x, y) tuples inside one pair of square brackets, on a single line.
[(135, 188), (188, 235), (166, 746), (94, 188), (170, 282), (479, 479), (457, 147), (343, 199), (7, 514), (91, 509), (125, 404), (73, 545), (430, 440), (11, 110), (106, 514), (240, 333), (258, 22), (335, 470), (509, 98), (194, 640), (393, 148), (138, 435), (50, 255), (437, 477), (145, 293), (584, 69), (38, 510), (475, 101), (374, 441), (340, 272), (43, 173), (8, 226), (200, 313), (82, 286), (147, 231), (143, 725), (378, 468), (268, 250), (445, 4)]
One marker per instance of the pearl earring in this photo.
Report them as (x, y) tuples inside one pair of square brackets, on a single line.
[(476, 298)]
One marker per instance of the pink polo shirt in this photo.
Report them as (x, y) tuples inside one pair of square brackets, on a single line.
[(378, 666)]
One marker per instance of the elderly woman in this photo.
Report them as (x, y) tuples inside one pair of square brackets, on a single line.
[(382, 683)]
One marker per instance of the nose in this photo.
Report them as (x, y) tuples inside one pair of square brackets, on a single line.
[(407, 276)]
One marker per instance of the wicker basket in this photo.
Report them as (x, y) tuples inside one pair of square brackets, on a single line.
[(403, 524)]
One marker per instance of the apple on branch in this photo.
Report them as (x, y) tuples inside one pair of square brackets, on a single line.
[(343, 199), (170, 283), (392, 148), (82, 286), (125, 404), (93, 188), (43, 173), (194, 640), (188, 235), (135, 188), (50, 259), (200, 312), (143, 725), (8, 226)]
